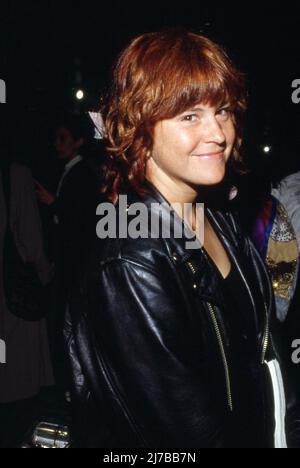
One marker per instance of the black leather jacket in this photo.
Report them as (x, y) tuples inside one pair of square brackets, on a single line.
[(149, 345)]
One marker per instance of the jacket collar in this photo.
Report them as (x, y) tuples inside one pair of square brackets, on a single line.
[(203, 272), (181, 247)]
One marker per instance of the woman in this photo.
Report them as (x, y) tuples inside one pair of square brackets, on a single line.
[(174, 349)]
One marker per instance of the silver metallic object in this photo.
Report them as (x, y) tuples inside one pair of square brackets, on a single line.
[(51, 435)]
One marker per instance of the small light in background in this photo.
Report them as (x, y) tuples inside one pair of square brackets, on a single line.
[(267, 149), (79, 95)]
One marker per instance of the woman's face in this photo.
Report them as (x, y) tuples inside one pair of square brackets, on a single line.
[(194, 147)]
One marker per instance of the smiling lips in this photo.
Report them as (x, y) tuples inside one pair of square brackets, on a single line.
[(211, 156)]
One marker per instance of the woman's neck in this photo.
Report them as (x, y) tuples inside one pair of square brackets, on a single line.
[(181, 197), (174, 191)]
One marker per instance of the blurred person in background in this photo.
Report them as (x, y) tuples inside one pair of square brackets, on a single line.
[(28, 365), (73, 210)]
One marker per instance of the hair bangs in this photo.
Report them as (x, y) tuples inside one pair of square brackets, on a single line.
[(199, 80)]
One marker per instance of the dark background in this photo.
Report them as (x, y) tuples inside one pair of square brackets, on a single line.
[(50, 49)]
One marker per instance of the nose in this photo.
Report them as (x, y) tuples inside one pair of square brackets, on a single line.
[(213, 131)]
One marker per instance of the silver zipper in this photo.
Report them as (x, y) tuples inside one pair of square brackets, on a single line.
[(224, 358), (192, 268), (221, 345), (266, 337)]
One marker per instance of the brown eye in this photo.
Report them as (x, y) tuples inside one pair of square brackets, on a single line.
[(224, 112), (189, 118)]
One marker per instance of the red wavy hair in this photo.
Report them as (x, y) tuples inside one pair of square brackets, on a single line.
[(158, 76)]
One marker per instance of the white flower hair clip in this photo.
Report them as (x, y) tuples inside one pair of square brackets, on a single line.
[(98, 121)]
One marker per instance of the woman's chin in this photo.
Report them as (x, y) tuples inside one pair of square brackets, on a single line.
[(211, 179)]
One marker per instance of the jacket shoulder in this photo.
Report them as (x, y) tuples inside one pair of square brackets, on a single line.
[(82, 173), (145, 252)]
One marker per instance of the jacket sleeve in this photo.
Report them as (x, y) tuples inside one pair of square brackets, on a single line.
[(146, 342)]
